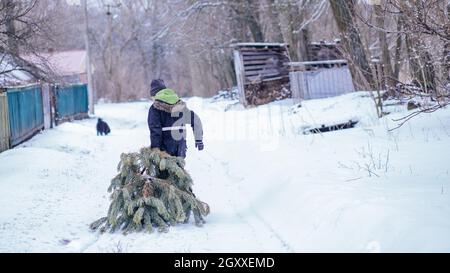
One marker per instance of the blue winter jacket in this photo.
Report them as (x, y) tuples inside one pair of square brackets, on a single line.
[(167, 123)]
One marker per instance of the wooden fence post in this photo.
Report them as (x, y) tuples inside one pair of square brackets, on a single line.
[(4, 123), (46, 105)]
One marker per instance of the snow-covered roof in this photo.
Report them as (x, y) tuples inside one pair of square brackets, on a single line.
[(341, 61), (259, 45), (12, 74), (327, 43), (63, 63)]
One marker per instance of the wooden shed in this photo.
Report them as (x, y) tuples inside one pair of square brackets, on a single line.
[(324, 51), (262, 72)]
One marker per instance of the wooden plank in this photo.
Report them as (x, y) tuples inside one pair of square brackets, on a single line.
[(257, 62), (275, 78), (265, 79), (4, 123), (259, 58), (262, 73), (239, 66), (262, 67), (258, 48), (342, 61), (254, 79), (280, 70), (46, 106), (244, 45), (280, 63), (261, 51), (267, 54)]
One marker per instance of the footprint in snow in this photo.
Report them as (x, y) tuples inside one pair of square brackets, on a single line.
[(65, 242)]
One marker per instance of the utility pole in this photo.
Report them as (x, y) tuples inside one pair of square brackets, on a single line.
[(88, 58)]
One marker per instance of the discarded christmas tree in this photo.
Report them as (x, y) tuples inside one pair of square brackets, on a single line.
[(151, 190)]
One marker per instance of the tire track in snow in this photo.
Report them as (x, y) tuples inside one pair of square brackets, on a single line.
[(276, 234), (263, 223)]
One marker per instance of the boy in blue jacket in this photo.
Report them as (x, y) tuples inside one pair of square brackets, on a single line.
[(167, 119)]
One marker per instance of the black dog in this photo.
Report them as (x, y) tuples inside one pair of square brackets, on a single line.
[(102, 128)]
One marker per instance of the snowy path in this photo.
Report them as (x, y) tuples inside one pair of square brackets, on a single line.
[(269, 188), (51, 212)]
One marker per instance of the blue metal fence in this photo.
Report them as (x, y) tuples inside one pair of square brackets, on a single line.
[(22, 110), (71, 101), (26, 116)]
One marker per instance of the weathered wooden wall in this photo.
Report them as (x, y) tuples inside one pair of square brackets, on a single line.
[(264, 64), (4, 123), (323, 51), (262, 72), (238, 66)]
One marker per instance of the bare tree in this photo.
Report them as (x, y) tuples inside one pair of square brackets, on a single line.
[(446, 53), (20, 26), (187, 43), (423, 28), (344, 13), (388, 79)]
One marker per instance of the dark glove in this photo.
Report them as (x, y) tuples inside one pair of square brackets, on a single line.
[(199, 145)]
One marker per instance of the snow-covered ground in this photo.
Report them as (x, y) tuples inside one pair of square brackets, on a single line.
[(270, 187)]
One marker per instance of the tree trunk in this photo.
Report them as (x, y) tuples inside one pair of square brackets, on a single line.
[(446, 76), (8, 9), (387, 80), (251, 17), (276, 34), (285, 13), (420, 63), (303, 42), (157, 49), (303, 39), (421, 66), (237, 24), (343, 11), (398, 48), (246, 14)]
